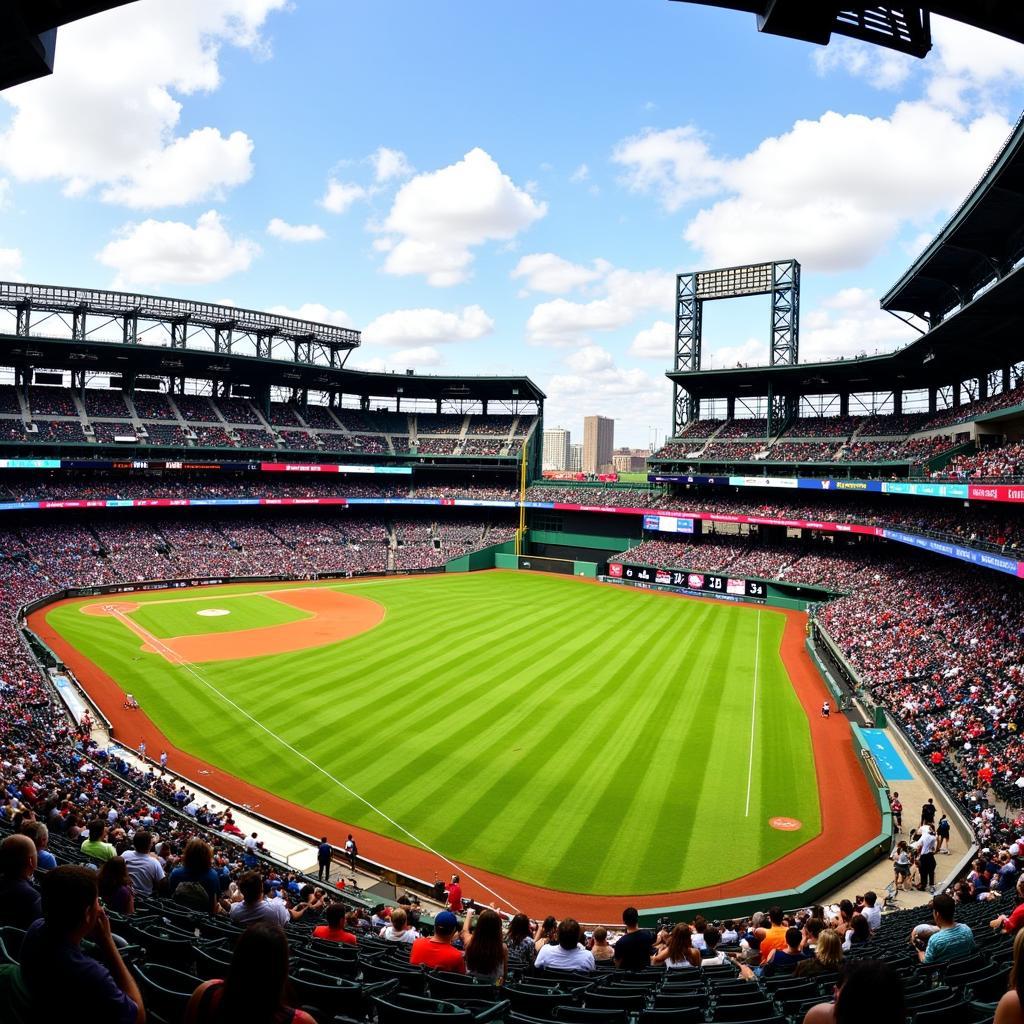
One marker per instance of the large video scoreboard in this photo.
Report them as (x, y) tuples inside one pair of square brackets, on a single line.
[(695, 582)]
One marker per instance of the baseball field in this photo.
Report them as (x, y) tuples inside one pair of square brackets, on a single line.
[(585, 738)]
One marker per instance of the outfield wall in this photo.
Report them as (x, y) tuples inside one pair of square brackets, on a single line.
[(808, 891)]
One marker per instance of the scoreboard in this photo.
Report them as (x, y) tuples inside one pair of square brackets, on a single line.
[(694, 582)]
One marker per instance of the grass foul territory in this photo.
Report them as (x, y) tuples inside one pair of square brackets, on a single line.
[(585, 738)]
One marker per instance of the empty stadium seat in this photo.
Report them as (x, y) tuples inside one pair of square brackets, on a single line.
[(678, 1015), (593, 1014), (11, 939), (400, 1008), (165, 991)]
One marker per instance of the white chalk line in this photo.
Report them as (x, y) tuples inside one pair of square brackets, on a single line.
[(753, 714), (177, 659)]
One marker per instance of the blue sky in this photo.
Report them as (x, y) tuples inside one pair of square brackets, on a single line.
[(496, 188)]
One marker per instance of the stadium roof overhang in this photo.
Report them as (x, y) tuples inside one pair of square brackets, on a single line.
[(981, 242), (983, 337), (28, 34), (903, 27), (160, 361)]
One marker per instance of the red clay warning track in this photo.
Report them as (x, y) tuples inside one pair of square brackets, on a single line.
[(849, 815), (336, 616)]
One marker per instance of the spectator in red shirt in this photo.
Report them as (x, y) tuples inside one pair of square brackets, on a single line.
[(454, 890), (438, 951), (334, 930)]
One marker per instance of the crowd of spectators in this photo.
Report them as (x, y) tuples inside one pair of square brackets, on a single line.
[(46, 401), (1003, 463), (739, 427), (822, 426), (105, 431), (943, 649), (961, 414), (700, 428), (802, 451), (104, 404)]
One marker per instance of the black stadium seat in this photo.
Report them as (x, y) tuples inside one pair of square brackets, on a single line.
[(593, 1015), (165, 991), (679, 1015)]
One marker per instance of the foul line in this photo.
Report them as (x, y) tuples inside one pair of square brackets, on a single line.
[(177, 659), (753, 714)]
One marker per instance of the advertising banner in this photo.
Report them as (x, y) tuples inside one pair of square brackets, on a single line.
[(988, 559)]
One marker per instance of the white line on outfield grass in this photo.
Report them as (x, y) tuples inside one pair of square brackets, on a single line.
[(753, 713), (189, 667)]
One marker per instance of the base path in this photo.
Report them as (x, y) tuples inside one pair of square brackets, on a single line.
[(336, 616), (849, 815)]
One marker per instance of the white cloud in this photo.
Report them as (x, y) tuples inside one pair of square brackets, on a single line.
[(628, 293), (879, 66), (341, 195), (315, 311), (10, 265), (437, 218), (589, 359), (580, 174), (847, 324), (595, 384), (676, 165), (420, 327), (295, 232), (170, 252), (201, 165), (969, 67), (389, 164), (752, 352), (832, 192), (546, 272), (654, 342), (116, 129)]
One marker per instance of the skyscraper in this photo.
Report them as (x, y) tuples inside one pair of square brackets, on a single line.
[(556, 448), (575, 463), (598, 442)]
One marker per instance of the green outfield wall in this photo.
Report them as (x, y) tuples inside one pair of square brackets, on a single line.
[(485, 558)]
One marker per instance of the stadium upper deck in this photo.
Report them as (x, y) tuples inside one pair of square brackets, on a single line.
[(185, 377), (954, 392)]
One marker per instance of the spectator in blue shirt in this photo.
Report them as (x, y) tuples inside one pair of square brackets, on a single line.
[(951, 940)]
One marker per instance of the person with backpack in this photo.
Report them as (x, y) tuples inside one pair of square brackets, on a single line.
[(255, 986), (194, 883)]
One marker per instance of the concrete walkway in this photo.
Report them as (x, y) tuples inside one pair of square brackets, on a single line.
[(914, 792)]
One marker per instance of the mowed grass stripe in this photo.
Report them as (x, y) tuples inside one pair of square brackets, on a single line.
[(675, 784), (634, 734), (719, 754), (579, 719), (423, 716)]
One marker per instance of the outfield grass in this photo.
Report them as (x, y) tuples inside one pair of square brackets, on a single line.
[(587, 738), (182, 616)]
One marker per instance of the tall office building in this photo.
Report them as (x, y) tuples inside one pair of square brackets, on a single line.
[(598, 442), (556, 448), (575, 464)]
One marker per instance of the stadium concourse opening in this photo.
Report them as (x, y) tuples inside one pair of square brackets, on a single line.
[(849, 816)]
